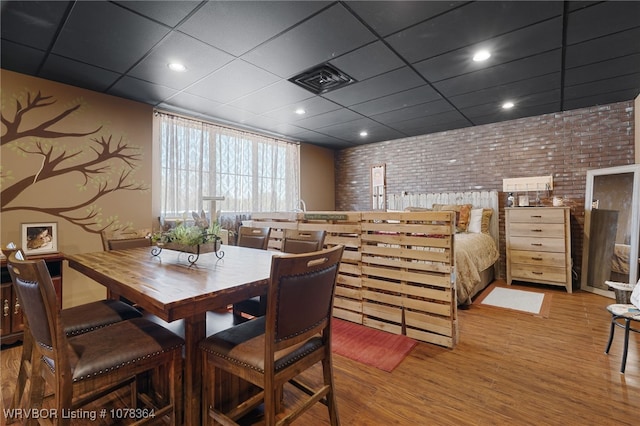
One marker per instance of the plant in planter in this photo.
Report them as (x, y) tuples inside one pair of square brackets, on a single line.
[(201, 237)]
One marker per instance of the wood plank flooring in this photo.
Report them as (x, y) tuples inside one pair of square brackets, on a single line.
[(509, 368)]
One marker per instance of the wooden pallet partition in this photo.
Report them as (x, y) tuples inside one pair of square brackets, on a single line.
[(342, 228), (408, 274), (278, 222)]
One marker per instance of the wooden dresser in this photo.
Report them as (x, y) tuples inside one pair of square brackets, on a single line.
[(11, 322), (539, 245)]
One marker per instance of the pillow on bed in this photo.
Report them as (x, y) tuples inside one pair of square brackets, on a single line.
[(475, 221), (480, 220), (463, 211)]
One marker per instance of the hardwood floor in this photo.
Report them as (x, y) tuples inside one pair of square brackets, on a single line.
[(508, 368)]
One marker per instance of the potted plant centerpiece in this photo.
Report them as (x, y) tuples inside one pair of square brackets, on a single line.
[(196, 238)]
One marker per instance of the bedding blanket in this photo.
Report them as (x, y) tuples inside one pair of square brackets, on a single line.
[(473, 254)]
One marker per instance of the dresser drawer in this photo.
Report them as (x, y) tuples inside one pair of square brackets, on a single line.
[(538, 273), (537, 258), (536, 230), (555, 245), (536, 215)]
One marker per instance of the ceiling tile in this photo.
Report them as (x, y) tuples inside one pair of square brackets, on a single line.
[(624, 82), (310, 43), (368, 61), (376, 87), (603, 48), (515, 45), (511, 91), (397, 101), (602, 19), (89, 36), (327, 119), (312, 107), (77, 74), (416, 111), (142, 91), (242, 25), (519, 70), (603, 70), (387, 17), (600, 98), (40, 18), (432, 123), (199, 58), (234, 80), (169, 13), (22, 59), (272, 97), (469, 24)]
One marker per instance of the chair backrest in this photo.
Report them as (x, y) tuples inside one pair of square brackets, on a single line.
[(120, 240), (300, 298), (296, 241), (32, 282), (254, 237)]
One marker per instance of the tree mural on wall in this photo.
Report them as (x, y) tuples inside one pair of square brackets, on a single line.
[(104, 164)]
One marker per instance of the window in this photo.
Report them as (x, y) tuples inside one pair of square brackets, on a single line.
[(253, 172)]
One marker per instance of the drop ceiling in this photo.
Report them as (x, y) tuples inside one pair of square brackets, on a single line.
[(411, 61)]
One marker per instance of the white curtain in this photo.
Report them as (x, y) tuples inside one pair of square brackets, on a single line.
[(254, 173)]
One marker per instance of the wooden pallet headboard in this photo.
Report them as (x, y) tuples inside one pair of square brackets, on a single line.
[(478, 199)]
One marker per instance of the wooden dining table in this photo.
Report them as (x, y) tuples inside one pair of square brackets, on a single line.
[(170, 287)]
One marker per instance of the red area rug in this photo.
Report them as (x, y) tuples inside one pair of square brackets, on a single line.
[(369, 346)]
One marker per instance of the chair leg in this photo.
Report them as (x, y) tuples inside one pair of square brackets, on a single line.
[(23, 372), (611, 332), (627, 326), (332, 406)]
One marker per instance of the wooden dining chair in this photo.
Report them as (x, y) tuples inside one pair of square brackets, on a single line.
[(273, 350), (76, 320), (297, 241), (124, 239), (258, 238), (85, 367)]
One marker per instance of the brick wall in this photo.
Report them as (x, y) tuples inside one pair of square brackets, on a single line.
[(564, 145)]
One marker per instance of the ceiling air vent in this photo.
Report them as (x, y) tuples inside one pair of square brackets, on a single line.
[(322, 79)]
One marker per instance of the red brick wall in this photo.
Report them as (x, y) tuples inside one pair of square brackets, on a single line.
[(564, 145)]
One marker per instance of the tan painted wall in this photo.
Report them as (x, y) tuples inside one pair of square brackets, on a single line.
[(317, 177), (83, 208)]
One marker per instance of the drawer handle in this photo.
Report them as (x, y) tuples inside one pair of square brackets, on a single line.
[(537, 216), (536, 230), (5, 309), (16, 307), (537, 244), (536, 258), (537, 273)]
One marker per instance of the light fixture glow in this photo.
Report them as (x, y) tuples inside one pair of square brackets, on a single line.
[(364, 133), (300, 111), (175, 66), (508, 105), (481, 55)]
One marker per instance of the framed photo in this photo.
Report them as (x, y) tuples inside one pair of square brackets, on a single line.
[(39, 238)]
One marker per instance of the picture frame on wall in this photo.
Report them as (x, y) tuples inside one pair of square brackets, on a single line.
[(39, 238)]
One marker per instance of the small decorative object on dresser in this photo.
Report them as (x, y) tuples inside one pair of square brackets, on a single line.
[(539, 245)]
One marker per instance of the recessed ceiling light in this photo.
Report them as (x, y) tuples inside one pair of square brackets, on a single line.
[(301, 111), (481, 55), (507, 105), (175, 66), (363, 133)]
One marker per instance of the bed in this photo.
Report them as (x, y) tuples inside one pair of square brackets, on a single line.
[(476, 251)]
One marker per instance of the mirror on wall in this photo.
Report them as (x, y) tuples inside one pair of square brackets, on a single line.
[(611, 228)]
